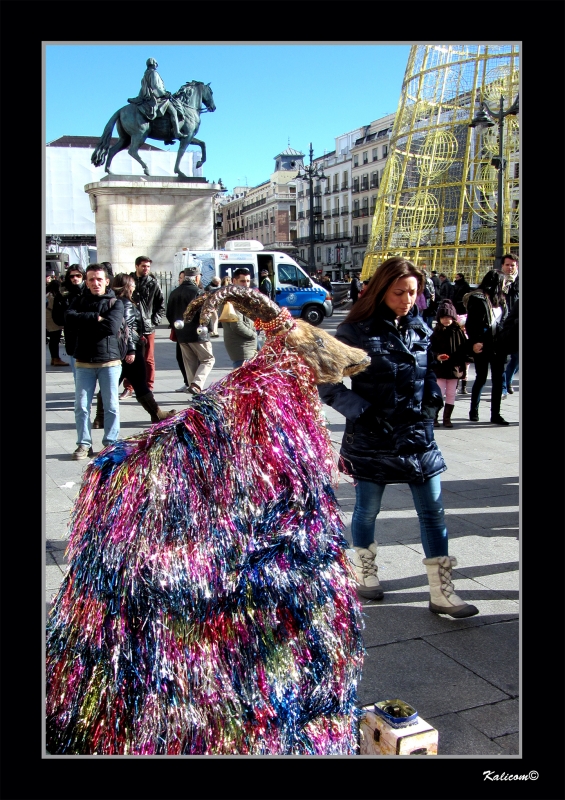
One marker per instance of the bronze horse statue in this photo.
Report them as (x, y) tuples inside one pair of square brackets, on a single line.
[(134, 128)]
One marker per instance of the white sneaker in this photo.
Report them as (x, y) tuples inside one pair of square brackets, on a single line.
[(183, 388), (365, 567), (504, 396)]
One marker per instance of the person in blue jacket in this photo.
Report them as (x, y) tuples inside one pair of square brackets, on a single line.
[(389, 431)]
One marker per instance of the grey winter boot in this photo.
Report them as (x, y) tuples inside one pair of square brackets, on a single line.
[(149, 404), (365, 567), (98, 421), (443, 599)]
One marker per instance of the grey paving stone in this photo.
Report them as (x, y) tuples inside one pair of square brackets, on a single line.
[(456, 737), (509, 745), (499, 641), (498, 720), (419, 674)]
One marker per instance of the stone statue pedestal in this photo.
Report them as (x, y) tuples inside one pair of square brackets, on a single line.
[(151, 216)]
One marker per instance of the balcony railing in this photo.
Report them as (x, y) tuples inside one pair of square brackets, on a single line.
[(361, 238), (317, 209), (335, 212), (364, 186), (336, 188), (327, 190), (344, 211), (327, 214), (254, 205), (337, 237), (344, 185), (355, 188)]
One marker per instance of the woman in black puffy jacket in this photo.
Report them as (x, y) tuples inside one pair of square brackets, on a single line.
[(133, 365), (389, 430)]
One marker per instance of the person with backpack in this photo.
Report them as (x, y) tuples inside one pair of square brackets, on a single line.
[(133, 355), (94, 321)]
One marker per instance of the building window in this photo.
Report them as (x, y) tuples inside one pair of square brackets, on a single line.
[(375, 153), (356, 161), (328, 255), (336, 229), (385, 150), (374, 180), (365, 157), (516, 170), (318, 254)]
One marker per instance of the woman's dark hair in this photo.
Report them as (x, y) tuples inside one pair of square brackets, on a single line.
[(491, 285), (109, 269), (460, 276), (123, 285), (67, 283), (388, 273)]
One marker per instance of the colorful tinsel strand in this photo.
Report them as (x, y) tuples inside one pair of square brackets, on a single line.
[(209, 607)]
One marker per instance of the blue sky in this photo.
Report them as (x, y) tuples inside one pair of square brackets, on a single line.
[(265, 95)]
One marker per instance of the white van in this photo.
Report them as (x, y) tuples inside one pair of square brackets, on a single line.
[(292, 287)]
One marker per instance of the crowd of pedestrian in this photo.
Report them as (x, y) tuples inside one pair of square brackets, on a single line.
[(465, 326)]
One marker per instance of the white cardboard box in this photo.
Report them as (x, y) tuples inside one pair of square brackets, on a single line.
[(378, 738)]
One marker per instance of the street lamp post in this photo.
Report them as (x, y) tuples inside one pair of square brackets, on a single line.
[(484, 119), (311, 171)]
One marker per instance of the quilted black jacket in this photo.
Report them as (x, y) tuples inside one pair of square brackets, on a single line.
[(399, 382)]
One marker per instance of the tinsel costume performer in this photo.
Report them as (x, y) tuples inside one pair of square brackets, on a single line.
[(209, 608)]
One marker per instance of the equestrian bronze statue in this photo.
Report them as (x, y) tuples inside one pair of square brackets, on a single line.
[(156, 114)]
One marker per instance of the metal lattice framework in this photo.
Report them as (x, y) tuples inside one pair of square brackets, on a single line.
[(437, 202)]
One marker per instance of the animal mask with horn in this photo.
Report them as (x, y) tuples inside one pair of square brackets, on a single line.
[(329, 359)]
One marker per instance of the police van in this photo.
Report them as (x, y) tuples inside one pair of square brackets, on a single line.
[(292, 287)]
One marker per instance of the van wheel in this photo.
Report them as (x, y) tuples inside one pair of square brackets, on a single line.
[(313, 315)]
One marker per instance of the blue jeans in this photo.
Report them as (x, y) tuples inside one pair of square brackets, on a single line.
[(108, 379), (511, 369), (236, 364), (429, 507)]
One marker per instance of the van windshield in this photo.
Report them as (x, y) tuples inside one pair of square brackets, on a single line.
[(291, 275)]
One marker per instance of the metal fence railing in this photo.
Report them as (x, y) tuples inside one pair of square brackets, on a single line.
[(167, 281)]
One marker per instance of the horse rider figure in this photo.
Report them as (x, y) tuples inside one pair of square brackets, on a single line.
[(154, 100)]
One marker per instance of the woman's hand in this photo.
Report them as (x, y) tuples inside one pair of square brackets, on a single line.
[(478, 347), (130, 358)]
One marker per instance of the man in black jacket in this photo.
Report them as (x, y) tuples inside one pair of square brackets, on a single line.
[(150, 301), (197, 356), (93, 321)]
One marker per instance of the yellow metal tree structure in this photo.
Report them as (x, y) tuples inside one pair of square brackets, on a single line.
[(438, 200)]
